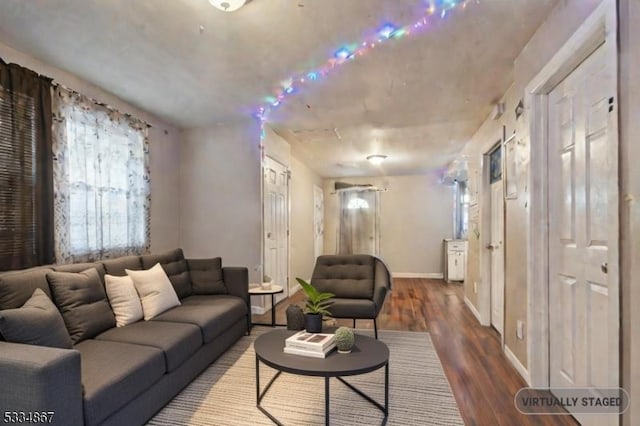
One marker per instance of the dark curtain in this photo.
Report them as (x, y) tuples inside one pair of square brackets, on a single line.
[(26, 169)]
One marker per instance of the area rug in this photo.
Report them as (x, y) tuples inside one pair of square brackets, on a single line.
[(225, 393)]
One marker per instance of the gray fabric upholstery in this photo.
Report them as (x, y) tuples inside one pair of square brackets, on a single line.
[(113, 373), (213, 318), (37, 322), (117, 266), (353, 308), (360, 283), (16, 287), (79, 267), (125, 383), (206, 276), (178, 341), (39, 378), (83, 302), (175, 266), (348, 276), (141, 408)]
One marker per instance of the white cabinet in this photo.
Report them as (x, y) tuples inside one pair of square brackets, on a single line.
[(455, 252)]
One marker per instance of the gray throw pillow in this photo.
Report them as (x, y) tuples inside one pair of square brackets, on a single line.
[(83, 303), (37, 322), (206, 276)]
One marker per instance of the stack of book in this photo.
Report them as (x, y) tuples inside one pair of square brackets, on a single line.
[(316, 345)]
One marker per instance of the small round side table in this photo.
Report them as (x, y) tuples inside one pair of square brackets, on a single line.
[(259, 291)]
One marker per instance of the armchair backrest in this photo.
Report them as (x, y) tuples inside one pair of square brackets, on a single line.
[(349, 276)]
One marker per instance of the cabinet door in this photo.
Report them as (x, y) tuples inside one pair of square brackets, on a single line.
[(456, 265)]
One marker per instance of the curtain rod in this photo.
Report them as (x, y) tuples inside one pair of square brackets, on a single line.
[(359, 189), (102, 104)]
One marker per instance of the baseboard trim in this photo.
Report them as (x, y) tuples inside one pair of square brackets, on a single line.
[(431, 275), (293, 290), (472, 308), (517, 365)]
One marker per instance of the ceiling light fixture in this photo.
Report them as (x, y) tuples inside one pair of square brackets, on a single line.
[(376, 159), (228, 5)]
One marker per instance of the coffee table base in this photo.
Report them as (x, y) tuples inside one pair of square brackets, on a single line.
[(383, 408)]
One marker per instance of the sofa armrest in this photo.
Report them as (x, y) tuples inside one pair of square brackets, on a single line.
[(41, 379), (236, 279)]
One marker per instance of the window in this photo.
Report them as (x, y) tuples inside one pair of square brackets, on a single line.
[(102, 181), (461, 210), (26, 231)]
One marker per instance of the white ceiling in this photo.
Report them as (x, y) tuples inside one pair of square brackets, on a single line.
[(416, 99)]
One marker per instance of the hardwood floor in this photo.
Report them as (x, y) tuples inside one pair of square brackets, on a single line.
[(482, 379)]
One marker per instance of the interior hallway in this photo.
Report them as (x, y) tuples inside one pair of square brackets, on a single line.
[(482, 379)]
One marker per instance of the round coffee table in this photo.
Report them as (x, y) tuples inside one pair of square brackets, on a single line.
[(367, 355)]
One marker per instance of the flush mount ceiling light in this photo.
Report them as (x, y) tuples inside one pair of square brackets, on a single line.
[(376, 159), (228, 5)]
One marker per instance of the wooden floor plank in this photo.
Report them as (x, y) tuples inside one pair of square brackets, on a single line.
[(482, 379)]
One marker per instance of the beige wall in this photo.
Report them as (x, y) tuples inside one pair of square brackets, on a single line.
[(164, 149), (629, 14), (416, 214), (302, 233), (220, 205), (554, 32)]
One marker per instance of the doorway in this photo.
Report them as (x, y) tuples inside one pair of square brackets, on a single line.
[(496, 243), (359, 225), (276, 225), (574, 277)]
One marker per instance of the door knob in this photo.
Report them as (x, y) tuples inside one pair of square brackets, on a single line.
[(268, 234), (490, 246), (604, 268)]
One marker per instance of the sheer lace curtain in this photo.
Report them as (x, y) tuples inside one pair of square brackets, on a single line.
[(358, 232), (101, 180)]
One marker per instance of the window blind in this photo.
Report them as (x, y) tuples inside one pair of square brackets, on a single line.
[(18, 219)]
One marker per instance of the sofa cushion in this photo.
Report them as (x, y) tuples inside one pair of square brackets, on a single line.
[(155, 291), (178, 341), (175, 267), (82, 301), (16, 287), (124, 299), (37, 322), (348, 276), (206, 276), (213, 314), (79, 267), (114, 373), (119, 265)]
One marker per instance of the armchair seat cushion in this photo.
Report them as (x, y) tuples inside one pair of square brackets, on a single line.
[(352, 308)]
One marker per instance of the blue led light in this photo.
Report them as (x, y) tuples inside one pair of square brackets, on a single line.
[(342, 53), (387, 30)]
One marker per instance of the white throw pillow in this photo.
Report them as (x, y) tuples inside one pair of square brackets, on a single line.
[(124, 299), (155, 290)]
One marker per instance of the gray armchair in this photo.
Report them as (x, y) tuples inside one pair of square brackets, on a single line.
[(359, 281)]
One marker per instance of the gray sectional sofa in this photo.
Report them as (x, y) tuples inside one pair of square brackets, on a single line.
[(123, 375)]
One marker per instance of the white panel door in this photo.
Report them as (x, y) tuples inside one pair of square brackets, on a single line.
[(497, 256), (276, 224), (583, 230)]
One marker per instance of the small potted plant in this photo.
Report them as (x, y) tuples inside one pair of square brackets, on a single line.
[(344, 340), (315, 307), (266, 282)]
